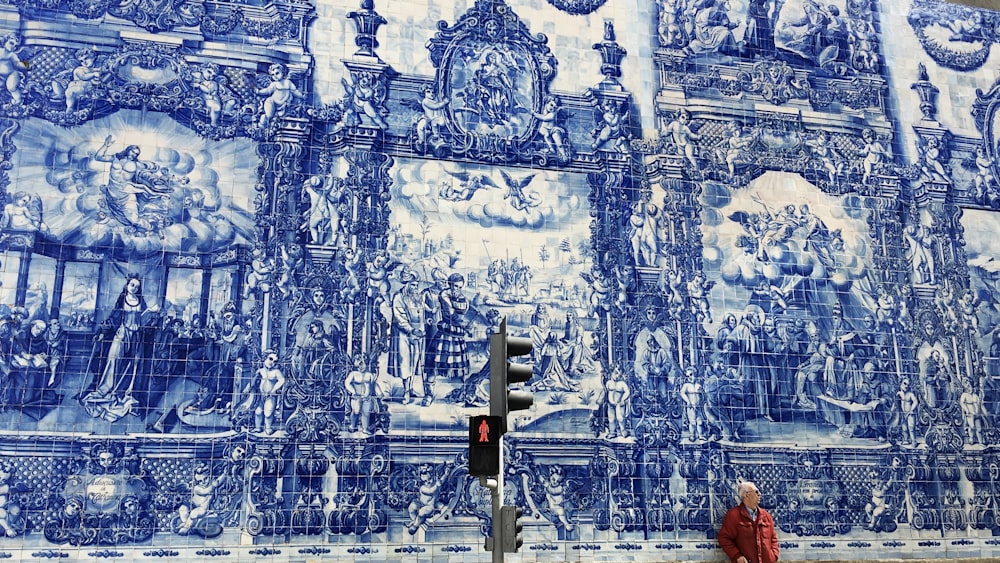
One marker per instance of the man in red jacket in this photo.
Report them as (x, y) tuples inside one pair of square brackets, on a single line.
[(747, 534)]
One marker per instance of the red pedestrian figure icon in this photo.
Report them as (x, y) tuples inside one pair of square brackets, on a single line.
[(484, 432)]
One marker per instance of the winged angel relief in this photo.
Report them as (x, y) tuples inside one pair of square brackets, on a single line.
[(469, 184)]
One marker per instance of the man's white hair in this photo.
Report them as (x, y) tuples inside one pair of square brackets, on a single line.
[(744, 487)]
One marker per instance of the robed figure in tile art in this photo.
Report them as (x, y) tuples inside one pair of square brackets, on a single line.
[(137, 190), (123, 365)]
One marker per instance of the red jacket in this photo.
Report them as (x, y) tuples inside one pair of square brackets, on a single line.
[(739, 535)]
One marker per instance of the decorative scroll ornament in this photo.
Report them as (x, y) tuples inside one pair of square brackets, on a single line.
[(364, 487), (265, 514), (984, 111), (955, 36), (217, 102), (213, 19), (737, 153), (778, 83), (152, 15), (147, 76), (775, 81), (160, 15), (105, 501), (492, 81), (577, 7)]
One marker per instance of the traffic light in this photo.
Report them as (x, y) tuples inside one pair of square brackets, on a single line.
[(504, 373), (506, 536), (510, 519), (484, 445)]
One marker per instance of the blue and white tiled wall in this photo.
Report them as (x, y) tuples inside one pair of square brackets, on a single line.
[(251, 254)]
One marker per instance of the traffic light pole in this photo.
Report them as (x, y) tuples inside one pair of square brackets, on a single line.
[(497, 520), (495, 485)]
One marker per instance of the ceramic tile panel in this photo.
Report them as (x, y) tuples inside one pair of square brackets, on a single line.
[(252, 255)]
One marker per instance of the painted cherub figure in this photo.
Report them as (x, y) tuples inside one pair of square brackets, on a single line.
[(967, 303), (270, 381), (434, 117), (612, 120), (363, 403), (81, 80), (737, 147), (877, 505), (672, 22), (698, 288), (7, 511), (363, 98), (259, 276), (378, 277), (202, 493), (23, 213), (874, 153), (208, 82), (426, 504), (973, 412), (683, 136), (618, 395), (350, 265), (323, 216), (549, 129), (985, 182), (968, 29), (908, 410), (692, 394), (292, 258), (279, 95), (823, 150), (862, 43), (555, 497), (12, 69), (886, 310), (931, 167)]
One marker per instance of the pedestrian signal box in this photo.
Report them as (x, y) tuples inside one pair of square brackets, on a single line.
[(484, 445)]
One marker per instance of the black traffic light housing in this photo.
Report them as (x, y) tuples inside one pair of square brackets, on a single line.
[(510, 520), (484, 445), (504, 373)]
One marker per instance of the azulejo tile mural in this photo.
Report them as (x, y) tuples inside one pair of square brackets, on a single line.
[(251, 255)]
